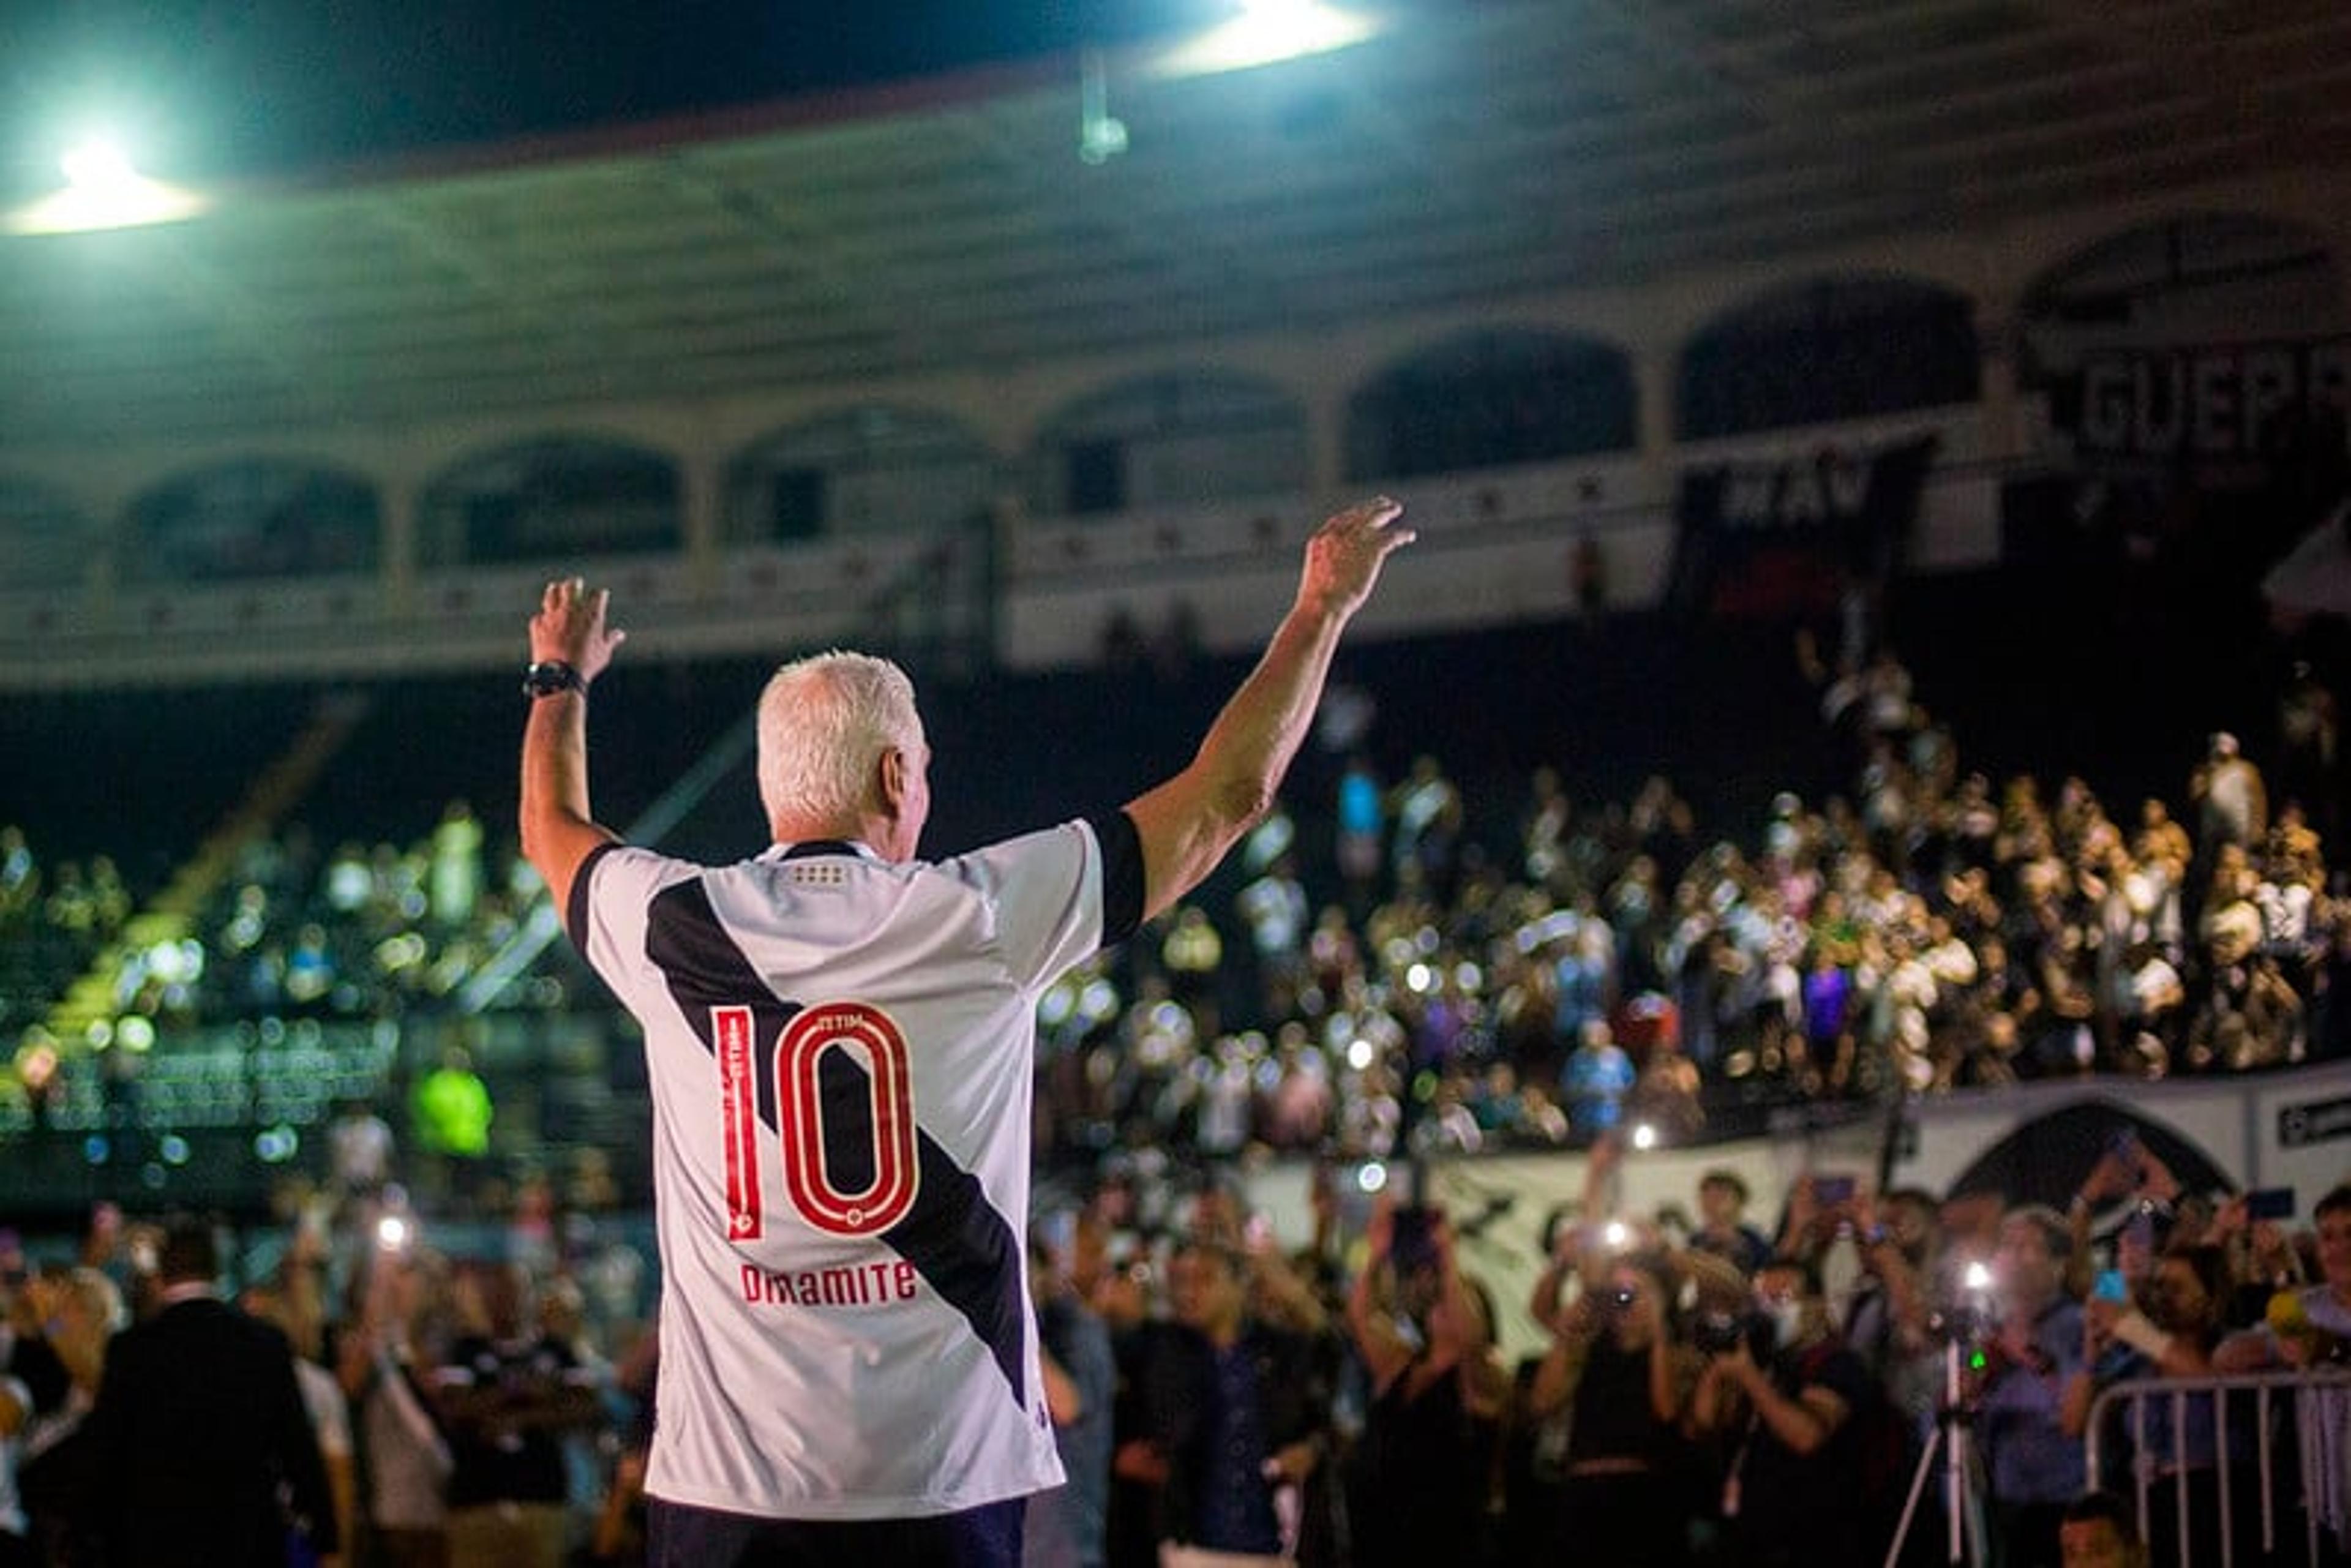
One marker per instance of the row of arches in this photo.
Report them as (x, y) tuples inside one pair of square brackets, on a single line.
[(1483, 399), (1823, 350)]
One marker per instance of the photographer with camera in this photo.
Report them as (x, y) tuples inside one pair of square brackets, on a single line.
[(1420, 1473), (1897, 1241), (1781, 1393), (1617, 1365)]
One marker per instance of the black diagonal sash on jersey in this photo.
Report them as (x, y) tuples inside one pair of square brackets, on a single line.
[(953, 1235)]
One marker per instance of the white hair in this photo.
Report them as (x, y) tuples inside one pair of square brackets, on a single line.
[(825, 722), (98, 1296)]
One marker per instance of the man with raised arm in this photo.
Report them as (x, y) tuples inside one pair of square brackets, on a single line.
[(839, 1038)]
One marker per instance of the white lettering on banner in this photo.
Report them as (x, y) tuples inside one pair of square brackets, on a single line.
[(2215, 428), (2318, 1123), (1793, 494), (1804, 498), (2269, 391), (2212, 402), (1750, 496), (1848, 486), (2105, 425)]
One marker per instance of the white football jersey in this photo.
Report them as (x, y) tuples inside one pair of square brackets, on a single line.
[(840, 1052)]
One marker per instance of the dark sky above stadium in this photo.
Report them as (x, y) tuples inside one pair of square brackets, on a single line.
[(272, 89)]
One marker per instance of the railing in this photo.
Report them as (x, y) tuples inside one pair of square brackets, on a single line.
[(2322, 1408), (1493, 554)]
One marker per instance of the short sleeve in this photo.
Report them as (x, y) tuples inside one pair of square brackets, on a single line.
[(611, 900), (1046, 891)]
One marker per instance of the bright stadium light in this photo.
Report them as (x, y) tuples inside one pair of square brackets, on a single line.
[(1266, 32), (98, 166), (104, 189)]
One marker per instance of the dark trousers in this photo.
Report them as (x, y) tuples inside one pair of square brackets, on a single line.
[(679, 1536), (1636, 1517)]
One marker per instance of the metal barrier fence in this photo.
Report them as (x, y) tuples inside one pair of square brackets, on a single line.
[(2321, 1408)]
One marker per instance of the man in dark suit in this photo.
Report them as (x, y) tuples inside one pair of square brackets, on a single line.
[(1236, 1415), (200, 1431)]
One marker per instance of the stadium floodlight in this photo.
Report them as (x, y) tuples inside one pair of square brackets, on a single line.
[(1265, 32), (103, 190), (99, 166)]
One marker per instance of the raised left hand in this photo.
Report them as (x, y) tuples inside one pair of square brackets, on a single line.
[(571, 628)]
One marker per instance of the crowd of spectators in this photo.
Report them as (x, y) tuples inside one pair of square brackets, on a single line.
[(1703, 1393), (53, 920), (1412, 964), (1466, 971), (1475, 973), (1699, 1391), (463, 1399)]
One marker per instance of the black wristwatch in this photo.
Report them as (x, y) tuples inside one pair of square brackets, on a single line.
[(550, 677)]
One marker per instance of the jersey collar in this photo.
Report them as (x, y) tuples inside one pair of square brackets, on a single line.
[(810, 848)]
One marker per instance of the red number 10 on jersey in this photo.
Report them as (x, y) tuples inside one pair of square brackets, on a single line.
[(813, 1143)]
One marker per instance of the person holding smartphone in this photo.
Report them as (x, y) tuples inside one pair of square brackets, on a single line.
[(2171, 1327), (2125, 1169), (2305, 1325), (1419, 1478)]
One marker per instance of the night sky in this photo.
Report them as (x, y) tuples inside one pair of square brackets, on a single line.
[(270, 89)]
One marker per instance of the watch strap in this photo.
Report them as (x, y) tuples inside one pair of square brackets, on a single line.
[(548, 676)]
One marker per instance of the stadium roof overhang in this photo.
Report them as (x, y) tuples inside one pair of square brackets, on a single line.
[(1466, 156)]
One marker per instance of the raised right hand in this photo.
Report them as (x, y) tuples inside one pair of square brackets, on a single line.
[(1344, 555)]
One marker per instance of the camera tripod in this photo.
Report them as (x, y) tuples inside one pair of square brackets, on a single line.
[(1951, 1448)]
